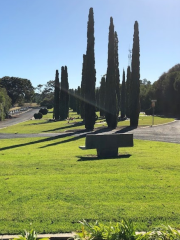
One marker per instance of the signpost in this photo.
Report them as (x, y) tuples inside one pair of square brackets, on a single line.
[(153, 106)]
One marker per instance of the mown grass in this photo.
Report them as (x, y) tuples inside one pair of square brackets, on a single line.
[(52, 184), (45, 125)]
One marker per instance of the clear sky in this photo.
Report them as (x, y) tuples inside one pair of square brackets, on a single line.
[(40, 36)]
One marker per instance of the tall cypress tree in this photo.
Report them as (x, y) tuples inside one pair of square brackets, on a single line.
[(111, 84), (66, 92), (135, 76), (117, 75), (56, 97), (90, 75), (83, 82), (64, 95), (123, 96), (128, 91), (102, 95)]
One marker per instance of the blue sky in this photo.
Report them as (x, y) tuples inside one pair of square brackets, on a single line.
[(40, 36)]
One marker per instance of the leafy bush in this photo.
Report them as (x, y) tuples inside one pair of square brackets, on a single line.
[(38, 115), (123, 230), (44, 111), (31, 235)]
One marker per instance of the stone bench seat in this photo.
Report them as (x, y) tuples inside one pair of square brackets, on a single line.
[(107, 144)]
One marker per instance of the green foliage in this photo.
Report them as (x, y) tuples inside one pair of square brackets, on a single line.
[(111, 101), (18, 89), (123, 97), (29, 235), (90, 75), (102, 96), (167, 92), (117, 75), (38, 115), (5, 103), (135, 83), (44, 111), (146, 95), (123, 230), (57, 97), (160, 233), (128, 92), (83, 82), (64, 94)]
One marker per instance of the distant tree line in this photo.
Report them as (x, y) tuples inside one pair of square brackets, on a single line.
[(14, 90)]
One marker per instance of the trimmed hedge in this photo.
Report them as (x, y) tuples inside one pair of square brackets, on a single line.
[(38, 115), (44, 111)]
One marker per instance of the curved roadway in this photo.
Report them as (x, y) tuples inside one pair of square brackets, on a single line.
[(164, 133)]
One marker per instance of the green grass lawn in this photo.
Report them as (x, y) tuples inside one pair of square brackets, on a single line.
[(52, 184), (45, 125)]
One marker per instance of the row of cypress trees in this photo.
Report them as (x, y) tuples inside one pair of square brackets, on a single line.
[(110, 100), (61, 95), (109, 103)]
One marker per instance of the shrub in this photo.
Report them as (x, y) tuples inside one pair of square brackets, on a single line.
[(44, 111), (29, 235), (38, 115)]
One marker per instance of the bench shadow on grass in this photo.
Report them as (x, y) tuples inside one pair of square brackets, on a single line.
[(95, 157)]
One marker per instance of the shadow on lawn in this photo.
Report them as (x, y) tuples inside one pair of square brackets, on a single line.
[(95, 157), (125, 129), (38, 141), (66, 127), (75, 136)]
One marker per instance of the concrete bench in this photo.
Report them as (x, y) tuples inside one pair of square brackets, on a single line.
[(107, 144)]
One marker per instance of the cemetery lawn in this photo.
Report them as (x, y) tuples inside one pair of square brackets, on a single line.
[(45, 125), (52, 184)]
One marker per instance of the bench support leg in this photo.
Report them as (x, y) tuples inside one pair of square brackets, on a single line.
[(107, 153)]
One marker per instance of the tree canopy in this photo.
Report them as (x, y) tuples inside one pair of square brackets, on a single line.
[(18, 89)]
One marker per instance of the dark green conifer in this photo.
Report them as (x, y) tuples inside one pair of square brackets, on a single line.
[(83, 82), (135, 76), (64, 95), (56, 97), (117, 75), (111, 101), (128, 91), (123, 96), (102, 95), (90, 114)]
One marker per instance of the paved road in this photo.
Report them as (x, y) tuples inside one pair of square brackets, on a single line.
[(23, 116), (165, 133)]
